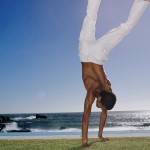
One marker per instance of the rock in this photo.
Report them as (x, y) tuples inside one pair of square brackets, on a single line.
[(62, 128), (4, 118), (146, 124), (21, 130), (38, 116), (2, 126)]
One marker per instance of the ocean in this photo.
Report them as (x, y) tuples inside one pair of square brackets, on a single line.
[(57, 124)]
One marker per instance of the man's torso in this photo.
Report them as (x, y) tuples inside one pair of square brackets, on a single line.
[(94, 77)]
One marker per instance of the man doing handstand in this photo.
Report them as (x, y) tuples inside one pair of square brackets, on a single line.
[(93, 54)]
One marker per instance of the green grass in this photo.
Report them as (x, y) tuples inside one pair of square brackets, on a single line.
[(133, 143)]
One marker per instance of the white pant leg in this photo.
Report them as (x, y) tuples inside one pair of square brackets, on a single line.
[(88, 28), (87, 34), (106, 43)]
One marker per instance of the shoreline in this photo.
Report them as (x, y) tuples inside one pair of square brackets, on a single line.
[(71, 136)]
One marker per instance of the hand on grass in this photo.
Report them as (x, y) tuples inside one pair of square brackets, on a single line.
[(102, 139), (86, 145)]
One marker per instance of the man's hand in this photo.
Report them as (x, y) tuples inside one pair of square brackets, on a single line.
[(102, 139), (98, 102), (86, 145)]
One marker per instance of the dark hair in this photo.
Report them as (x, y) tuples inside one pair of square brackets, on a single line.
[(108, 99)]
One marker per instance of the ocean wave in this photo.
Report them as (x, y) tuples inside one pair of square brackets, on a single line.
[(14, 127), (121, 129), (127, 124), (138, 124), (11, 126), (114, 129), (90, 129), (57, 130), (24, 118)]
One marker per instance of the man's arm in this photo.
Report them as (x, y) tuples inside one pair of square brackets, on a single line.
[(103, 118), (85, 119)]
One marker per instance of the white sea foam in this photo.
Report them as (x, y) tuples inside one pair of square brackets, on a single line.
[(57, 130), (110, 129), (11, 126), (24, 118), (115, 129), (124, 128), (121, 129), (38, 130)]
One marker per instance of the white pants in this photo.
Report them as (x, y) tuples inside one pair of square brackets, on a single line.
[(96, 51)]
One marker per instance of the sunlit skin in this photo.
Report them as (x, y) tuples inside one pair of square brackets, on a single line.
[(95, 80)]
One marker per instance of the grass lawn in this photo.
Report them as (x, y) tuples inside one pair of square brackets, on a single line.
[(130, 143)]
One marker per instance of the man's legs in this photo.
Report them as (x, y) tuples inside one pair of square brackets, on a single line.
[(114, 36), (87, 34)]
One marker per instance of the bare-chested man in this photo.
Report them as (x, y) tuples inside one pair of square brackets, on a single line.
[(93, 54)]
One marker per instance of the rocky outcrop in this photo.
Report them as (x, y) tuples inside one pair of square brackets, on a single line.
[(62, 128), (39, 116), (4, 118), (2, 126), (21, 130)]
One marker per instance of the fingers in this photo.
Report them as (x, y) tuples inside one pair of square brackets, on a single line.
[(86, 145), (104, 139)]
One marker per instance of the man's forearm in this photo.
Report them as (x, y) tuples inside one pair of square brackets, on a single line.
[(84, 131), (85, 120)]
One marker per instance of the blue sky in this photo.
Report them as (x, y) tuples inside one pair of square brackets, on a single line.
[(40, 69)]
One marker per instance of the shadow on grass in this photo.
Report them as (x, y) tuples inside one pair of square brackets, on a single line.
[(81, 147)]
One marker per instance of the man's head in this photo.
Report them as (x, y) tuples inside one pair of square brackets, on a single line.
[(108, 99)]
